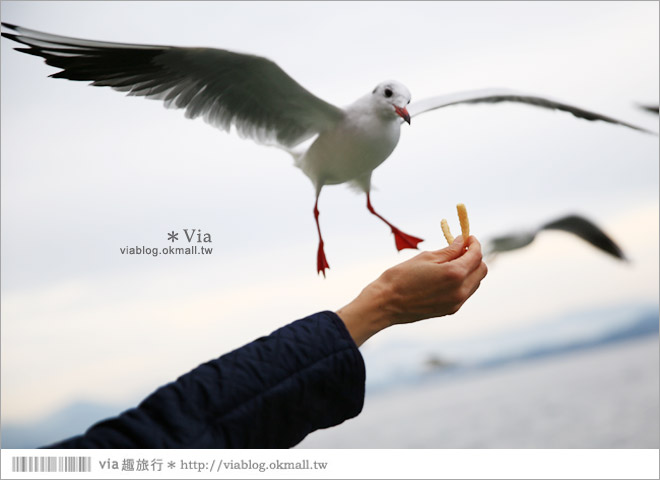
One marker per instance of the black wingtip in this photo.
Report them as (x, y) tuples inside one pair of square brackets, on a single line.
[(10, 26), (644, 130), (10, 36), (649, 108), (589, 232)]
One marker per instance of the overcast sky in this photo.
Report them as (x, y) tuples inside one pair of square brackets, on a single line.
[(86, 171)]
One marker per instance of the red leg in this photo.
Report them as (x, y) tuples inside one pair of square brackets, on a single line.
[(321, 262), (402, 240)]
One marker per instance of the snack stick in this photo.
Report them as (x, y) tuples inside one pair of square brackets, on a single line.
[(463, 218), (445, 229)]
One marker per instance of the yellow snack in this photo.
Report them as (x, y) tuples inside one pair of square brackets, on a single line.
[(445, 229), (463, 218)]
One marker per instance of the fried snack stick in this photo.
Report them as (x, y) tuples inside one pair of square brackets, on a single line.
[(445, 229), (465, 224), (463, 218)]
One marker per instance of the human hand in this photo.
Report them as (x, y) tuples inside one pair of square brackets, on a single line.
[(431, 284)]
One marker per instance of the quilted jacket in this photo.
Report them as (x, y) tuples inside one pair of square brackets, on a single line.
[(270, 393)]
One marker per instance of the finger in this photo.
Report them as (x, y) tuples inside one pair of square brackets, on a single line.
[(472, 257), (474, 279), (472, 239), (451, 252), (477, 275)]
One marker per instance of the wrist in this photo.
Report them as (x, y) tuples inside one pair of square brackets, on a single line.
[(368, 314)]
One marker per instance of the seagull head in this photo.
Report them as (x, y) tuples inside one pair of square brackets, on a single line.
[(392, 98)]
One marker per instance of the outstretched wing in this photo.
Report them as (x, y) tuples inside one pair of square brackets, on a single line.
[(587, 231), (575, 224), (225, 88), (504, 95)]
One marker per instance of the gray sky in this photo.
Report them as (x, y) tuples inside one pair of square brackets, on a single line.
[(86, 171)]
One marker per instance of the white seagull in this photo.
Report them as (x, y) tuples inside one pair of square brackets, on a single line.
[(265, 104)]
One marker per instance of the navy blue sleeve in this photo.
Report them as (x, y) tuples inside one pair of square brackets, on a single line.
[(270, 393)]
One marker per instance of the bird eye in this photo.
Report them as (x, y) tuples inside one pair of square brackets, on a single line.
[(388, 92)]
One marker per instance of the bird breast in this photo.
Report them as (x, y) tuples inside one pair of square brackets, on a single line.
[(352, 149)]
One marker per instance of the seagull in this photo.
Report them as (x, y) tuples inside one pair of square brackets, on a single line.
[(575, 224), (331, 145)]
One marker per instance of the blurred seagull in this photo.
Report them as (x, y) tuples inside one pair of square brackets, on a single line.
[(265, 104), (575, 224)]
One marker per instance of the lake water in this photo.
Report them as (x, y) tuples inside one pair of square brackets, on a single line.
[(605, 397)]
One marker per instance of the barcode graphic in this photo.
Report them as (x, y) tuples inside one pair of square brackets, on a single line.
[(51, 464)]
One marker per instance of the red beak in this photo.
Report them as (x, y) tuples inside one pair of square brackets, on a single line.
[(403, 113)]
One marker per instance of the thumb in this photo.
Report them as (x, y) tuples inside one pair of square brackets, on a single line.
[(452, 252)]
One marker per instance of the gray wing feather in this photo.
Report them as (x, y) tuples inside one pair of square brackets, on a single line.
[(509, 242), (225, 88), (504, 95)]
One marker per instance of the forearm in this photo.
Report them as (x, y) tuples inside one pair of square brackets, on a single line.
[(269, 393)]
